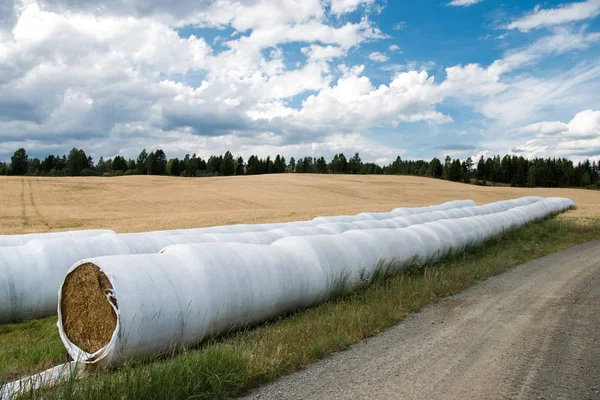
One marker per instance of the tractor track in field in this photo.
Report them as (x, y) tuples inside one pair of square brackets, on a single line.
[(35, 208), (530, 333), (22, 200)]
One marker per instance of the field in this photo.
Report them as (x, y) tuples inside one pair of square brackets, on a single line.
[(139, 203)]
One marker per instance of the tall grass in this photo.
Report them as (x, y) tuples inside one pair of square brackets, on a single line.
[(238, 362)]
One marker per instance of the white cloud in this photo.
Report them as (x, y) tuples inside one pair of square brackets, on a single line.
[(409, 66), (578, 139), (585, 124), (463, 3), (378, 57), (546, 128), (561, 41), (577, 150), (354, 104), (510, 98), (527, 96), (241, 15), (41, 36), (322, 53), (121, 82), (291, 83), (513, 100), (346, 6), (113, 77), (562, 14), (472, 80)]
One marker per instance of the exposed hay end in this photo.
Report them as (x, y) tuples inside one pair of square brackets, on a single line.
[(88, 317)]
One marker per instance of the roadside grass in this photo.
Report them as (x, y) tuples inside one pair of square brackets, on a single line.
[(234, 364)]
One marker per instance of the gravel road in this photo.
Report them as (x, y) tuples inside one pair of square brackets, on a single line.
[(531, 333)]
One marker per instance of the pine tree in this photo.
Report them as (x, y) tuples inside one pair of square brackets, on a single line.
[(141, 164), (227, 165), (239, 170)]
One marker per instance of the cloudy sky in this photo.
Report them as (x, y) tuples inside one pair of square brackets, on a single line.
[(416, 78)]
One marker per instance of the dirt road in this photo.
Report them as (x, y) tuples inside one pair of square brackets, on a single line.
[(531, 333)]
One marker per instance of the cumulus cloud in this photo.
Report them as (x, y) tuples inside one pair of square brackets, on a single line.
[(120, 74), (113, 77), (354, 104), (562, 14), (585, 124), (578, 139), (242, 15), (378, 57)]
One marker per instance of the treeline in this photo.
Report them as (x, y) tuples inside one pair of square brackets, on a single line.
[(510, 170)]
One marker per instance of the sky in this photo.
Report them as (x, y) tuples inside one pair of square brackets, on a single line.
[(415, 78)]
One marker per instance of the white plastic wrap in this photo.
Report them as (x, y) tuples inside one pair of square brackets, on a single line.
[(189, 292), (328, 228), (19, 240), (60, 373), (246, 228), (31, 274)]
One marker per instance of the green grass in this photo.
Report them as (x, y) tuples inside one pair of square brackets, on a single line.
[(238, 362), (28, 347)]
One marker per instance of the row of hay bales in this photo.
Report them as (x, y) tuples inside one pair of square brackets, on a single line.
[(31, 273), (115, 308)]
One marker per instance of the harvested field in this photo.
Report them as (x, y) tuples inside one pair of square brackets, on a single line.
[(141, 203)]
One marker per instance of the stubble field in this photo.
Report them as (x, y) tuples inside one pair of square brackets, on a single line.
[(141, 203)]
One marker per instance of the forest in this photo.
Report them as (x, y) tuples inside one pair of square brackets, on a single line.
[(509, 169)]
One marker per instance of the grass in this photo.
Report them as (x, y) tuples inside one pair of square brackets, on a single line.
[(29, 347), (238, 362)]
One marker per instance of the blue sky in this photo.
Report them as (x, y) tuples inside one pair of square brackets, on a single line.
[(419, 79)]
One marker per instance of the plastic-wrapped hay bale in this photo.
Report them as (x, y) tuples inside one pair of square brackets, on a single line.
[(19, 240), (221, 294), (32, 273), (141, 305)]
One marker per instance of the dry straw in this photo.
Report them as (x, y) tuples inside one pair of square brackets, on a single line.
[(88, 317)]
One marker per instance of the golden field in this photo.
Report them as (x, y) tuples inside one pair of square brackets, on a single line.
[(141, 203)]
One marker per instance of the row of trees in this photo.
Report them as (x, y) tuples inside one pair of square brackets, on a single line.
[(513, 170)]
